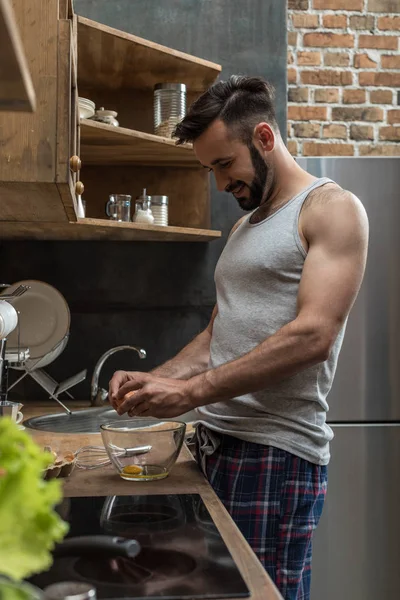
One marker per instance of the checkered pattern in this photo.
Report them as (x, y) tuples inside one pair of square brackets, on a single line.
[(276, 500)]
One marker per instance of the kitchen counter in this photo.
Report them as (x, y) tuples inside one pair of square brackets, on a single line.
[(185, 478)]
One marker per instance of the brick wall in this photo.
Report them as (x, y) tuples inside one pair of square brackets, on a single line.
[(343, 77)]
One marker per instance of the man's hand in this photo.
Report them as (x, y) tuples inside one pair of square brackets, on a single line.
[(148, 395)]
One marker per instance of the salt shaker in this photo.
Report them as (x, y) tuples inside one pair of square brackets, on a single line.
[(143, 212)]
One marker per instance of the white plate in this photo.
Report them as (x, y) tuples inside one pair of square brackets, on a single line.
[(86, 108), (87, 102), (44, 318), (85, 112), (35, 363)]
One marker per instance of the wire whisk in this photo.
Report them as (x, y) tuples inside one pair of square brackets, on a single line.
[(95, 457)]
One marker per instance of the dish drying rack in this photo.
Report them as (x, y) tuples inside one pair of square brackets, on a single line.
[(17, 358), (48, 383)]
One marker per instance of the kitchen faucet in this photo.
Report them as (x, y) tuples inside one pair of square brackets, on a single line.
[(98, 396)]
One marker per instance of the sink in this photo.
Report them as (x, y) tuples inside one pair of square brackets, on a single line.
[(80, 421), (83, 421)]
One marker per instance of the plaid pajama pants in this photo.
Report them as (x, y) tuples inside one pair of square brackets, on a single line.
[(276, 500)]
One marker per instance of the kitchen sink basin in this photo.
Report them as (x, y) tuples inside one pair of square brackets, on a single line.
[(83, 421), (80, 421)]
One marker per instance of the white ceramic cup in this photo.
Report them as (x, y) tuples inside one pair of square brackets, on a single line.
[(8, 319), (12, 410)]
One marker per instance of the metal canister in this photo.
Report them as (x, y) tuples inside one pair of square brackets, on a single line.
[(169, 107), (159, 208)]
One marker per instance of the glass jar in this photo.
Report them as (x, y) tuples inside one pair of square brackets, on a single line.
[(169, 107), (118, 208), (143, 212), (159, 208)]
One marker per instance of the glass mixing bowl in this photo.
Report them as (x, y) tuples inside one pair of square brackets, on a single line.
[(143, 449)]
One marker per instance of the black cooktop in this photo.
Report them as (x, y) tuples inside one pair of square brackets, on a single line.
[(182, 556)]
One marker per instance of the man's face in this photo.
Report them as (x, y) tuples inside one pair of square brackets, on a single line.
[(238, 169)]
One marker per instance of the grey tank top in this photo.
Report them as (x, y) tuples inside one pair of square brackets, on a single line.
[(257, 279)]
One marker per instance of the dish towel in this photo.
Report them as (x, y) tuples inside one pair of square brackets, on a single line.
[(207, 442)]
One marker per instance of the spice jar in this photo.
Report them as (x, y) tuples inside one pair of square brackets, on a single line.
[(159, 208), (143, 213), (169, 107)]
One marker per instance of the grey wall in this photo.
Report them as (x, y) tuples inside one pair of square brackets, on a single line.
[(157, 295)]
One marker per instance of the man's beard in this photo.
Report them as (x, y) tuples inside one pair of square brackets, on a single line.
[(258, 185)]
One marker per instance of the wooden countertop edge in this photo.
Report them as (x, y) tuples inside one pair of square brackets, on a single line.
[(185, 478), (257, 580)]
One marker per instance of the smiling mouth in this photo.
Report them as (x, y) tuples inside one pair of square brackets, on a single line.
[(238, 191)]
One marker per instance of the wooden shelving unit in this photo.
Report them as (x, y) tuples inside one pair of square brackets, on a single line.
[(113, 59), (103, 144), (101, 229), (71, 56), (16, 88), (118, 70)]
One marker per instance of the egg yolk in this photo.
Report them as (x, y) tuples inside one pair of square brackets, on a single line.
[(132, 470)]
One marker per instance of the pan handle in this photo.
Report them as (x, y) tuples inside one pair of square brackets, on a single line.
[(98, 545)]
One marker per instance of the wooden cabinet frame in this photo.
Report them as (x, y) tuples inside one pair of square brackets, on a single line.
[(118, 70)]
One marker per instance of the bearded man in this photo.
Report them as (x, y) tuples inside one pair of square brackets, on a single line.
[(260, 373)]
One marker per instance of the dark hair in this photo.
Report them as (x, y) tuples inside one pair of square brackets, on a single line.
[(241, 103)]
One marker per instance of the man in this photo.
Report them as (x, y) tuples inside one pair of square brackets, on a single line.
[(259, 374)]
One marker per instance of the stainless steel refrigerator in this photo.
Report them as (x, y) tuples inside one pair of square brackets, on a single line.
[(357, 544)]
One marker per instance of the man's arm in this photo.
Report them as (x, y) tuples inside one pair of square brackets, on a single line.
[(194, 357), (190, 361), (336, 229)]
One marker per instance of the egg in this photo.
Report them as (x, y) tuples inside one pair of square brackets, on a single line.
[(132, 470), (126, 397)]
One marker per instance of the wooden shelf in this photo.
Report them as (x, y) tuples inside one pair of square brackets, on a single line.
[(16, 88), (101, 229), (113, 59), (113, 67), (103, 144)]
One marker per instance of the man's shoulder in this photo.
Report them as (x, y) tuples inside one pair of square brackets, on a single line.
[(329, 205), (326, 194), (330, 198)]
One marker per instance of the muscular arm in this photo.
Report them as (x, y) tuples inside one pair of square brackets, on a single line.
[(193, 359), (189, 362), (336, 230)]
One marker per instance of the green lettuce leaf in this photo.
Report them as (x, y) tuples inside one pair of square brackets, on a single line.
[(29, 526)]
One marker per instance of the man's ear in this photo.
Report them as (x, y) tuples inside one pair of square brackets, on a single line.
[(264, 137)]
